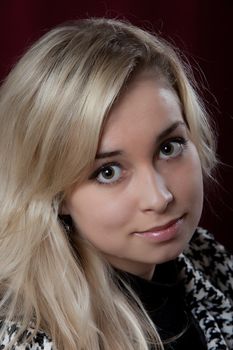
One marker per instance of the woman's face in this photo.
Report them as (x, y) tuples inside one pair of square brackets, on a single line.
[(143, 200)]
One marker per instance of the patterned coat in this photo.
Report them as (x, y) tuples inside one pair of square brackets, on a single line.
[(206, 270)]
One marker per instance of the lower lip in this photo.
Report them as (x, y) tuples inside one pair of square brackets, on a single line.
[(163, 235)]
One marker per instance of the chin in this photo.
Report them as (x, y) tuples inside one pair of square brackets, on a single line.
[(171, 253)]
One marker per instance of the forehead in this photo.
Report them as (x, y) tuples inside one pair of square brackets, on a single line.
[(148, 105)]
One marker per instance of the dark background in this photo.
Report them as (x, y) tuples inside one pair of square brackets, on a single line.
[(202, 29)]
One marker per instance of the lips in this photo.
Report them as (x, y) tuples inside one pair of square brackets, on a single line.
[(164, 233), (162, 227)]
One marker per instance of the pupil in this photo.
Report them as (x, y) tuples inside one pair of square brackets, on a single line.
[(168, 149), (108, 173)]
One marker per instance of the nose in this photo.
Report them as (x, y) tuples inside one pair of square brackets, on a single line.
[(153, 191)]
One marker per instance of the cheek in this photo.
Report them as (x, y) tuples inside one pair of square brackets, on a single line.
[(91, 208), (195, 172), (190, 181)]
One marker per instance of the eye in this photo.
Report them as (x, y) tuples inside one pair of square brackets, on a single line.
[(172, 148), (108, 174)]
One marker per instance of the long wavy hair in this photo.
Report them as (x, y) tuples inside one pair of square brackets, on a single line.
[(53, 107)]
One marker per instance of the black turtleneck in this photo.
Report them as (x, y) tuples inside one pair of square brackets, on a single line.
[(163, 299)]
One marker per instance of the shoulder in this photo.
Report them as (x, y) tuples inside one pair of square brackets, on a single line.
[(205, 240), (40, 341), (210, 258), (206, 272)]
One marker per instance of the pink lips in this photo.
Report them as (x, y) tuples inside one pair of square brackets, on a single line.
[(163, 233)]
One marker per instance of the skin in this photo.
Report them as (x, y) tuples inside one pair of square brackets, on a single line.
[(151, 180)]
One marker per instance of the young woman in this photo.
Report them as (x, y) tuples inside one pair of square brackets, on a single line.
[(105, 147)]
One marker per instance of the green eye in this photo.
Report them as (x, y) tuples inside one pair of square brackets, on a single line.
[(172, 149), (109, 174)]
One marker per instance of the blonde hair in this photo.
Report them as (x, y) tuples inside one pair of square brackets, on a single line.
[(53, 107)]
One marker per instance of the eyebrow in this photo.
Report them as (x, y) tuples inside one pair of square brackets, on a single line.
[(160, 137), (169, 130)]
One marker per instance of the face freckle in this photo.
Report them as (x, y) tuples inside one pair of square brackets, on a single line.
[(142, 206)]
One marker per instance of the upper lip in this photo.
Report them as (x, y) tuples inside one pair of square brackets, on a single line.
[(162, 227)]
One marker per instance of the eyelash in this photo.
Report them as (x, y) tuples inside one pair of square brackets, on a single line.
[(179, 140)]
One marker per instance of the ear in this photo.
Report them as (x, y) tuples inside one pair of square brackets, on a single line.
[(67, 223), (64, 209)]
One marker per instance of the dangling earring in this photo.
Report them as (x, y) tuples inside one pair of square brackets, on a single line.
[(67, 223)]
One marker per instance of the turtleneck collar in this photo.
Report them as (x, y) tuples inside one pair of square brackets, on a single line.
[(163, 298)]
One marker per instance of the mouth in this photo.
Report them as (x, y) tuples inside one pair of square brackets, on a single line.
[(163, 232), (162, 227)]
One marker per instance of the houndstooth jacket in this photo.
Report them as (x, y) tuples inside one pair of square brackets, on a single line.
[(206, 270)]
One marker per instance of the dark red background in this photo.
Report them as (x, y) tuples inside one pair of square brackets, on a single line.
[(203, 29)]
